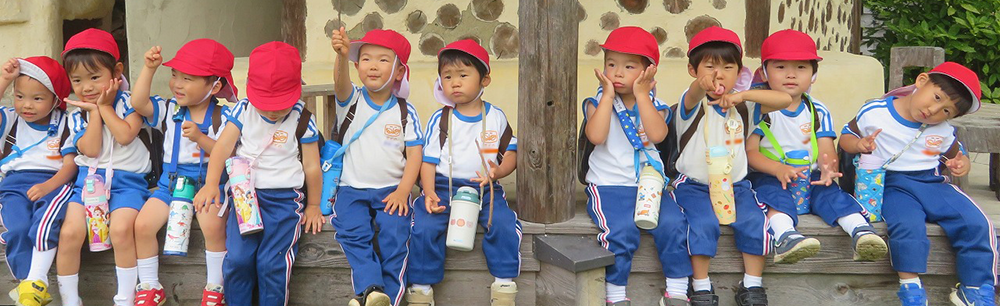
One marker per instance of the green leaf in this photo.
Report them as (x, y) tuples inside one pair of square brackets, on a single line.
[(951, 11), (970, 8)]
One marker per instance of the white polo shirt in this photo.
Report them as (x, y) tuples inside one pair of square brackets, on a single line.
[(133, 157), (465, 133), (612, 163), (923, 154), (48, 154), (693, 161), (167, 111), (792, 128), (278, 165)]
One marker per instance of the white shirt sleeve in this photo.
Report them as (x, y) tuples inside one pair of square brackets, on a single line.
[(432, 144), (414, 136)]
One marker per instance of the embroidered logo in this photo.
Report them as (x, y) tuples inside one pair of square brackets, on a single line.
[(393, 130), (52, 144), (933, 141), (491, 136), (280, 137)]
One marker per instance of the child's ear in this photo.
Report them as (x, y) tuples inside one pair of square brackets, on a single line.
[(485, 81), (119, 69), (400, 72), (217, 87), (922, 80), (692, 71)]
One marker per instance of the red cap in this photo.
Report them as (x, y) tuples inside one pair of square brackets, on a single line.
[(472, 48), (633, 40), (714, 33), (789, 45), (274, 78), (206, 57), (50, 73), (965, 76), (94, 39), (395, 42)]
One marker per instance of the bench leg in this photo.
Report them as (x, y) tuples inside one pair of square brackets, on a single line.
[(995, 173)]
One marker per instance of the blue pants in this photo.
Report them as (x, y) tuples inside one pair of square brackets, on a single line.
[(749, 230), (128, 189), (501, 243), (915, 197), (356, 213), (30, 224), (612, 208), (828, 202), (263, 260)]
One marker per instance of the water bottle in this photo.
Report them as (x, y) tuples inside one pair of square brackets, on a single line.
[(244, 195), (648, 198), (799, 187), (869, 183), (95, 200), (720, 185), (465, 207), (181, 214), (332, 168)]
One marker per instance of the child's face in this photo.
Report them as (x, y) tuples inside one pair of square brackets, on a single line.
[(375, 65), (929, 104), (89, 83), (622, 69), (791, 77), (32, 101), (728, 72), (276, 115), (462, 82), (189, 89)]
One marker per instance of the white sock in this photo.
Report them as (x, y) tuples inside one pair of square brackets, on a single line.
[(497, 280), (69, 289), (149, 271), (752, 281), (616, 293), (780, 224), (702, 284), (423, 288), (851, 222), (915, 280), (213, 262), (677, 288), (41, 261), (127, 279)]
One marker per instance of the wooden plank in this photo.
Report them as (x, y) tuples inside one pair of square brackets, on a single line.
[(980, 130), (547, 102), (558, 287), (293, 25), (758, 25), (902, 57)]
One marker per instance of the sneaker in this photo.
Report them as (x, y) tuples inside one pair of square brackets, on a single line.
[(667, 301), (753, 296), (704, 298), (868, 246), (416, 297), (912, 295), (626, 302), (31, 293), (358, 301), (213, 296), (149, 295), (973, 296), (503, 294), (374, 296), (790, 250)]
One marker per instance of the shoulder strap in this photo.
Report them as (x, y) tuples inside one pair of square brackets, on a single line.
[(505, 138), (300, 129), (403, 112), (443, 125), (216, 117), (338, 134), (745, 115), (686, 137), (9, 140)]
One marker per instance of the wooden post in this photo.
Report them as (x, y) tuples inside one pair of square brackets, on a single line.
[(758, 25), (902, 57), (546, 159), (858, 11), (293, 25)]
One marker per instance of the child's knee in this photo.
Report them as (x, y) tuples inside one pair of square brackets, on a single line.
[(145, 228), (122, 230), (71, 232)]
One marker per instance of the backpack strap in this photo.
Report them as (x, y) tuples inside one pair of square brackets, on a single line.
[(745, 115), (505, 139), (443, 125), (338, 134), (686, 137), (403, 118), (300, 129), (9, 140), (216, 117)]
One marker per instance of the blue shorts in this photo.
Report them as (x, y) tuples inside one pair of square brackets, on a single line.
[(828, 202), (128, 189), (163, 190)]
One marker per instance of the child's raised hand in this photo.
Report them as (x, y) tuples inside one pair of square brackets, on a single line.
[(606, 83), (397, 201), (38, 191), (787, 173), (11, 69), (645, 82), (710, 83), (107, 97), (85, 106), (828, 172), (191, 131), (153, 57), (314, 220), (208, 195), (958, 166), (867, 144), (431, 201), (728, 100), (341, 44)]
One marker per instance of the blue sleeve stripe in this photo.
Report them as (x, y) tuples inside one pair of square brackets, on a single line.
[(431, 160), (847, 130), (414, 143), (686, 115), (512, 147), (350, 97), (830, 134), (68, 150)]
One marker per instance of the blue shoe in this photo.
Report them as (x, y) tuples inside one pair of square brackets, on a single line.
[(973, 296), (912, 295)]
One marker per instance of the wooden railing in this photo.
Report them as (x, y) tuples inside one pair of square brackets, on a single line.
[(323, 94)]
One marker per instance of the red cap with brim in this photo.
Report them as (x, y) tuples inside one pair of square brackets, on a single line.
[(274, 78), (712, 34), (470, 47), (963, 75), (47, 71), (789, 45), (633, 40), (206, 57), (94, 39)]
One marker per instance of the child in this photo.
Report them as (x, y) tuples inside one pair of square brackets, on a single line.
[(263, 125), (789, 65), (625, 99), (37, 165), (105, 133), (200, 74), (715, 60), (378, 176), (461, 138), (910, 135)]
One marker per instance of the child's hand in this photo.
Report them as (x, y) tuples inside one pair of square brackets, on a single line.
[(645, 82), (107, 97), (85, 106), (397, 201), (38, 191), (191, 131), (314, 219), (608, 87), (431, 201), (11, 69), (483, 180), (958, 166), (828, 172), (787, 173), (153, 57), (208, 195), (867, 145), (728, 100), (341, 44), (710, 83)]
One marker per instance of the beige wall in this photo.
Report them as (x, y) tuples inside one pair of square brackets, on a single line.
[(30, 28), (241, 25)]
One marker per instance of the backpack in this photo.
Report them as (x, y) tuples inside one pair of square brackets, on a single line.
[(153, 140), (505, 138)]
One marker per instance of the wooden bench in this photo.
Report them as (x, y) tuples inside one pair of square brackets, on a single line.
[(980, 133)]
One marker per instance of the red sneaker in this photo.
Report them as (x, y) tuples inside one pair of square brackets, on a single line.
[(212, 296), (148, 295)]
